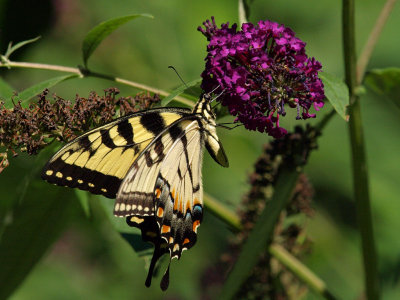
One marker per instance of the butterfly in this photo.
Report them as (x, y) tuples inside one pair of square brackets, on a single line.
[(150, 162)]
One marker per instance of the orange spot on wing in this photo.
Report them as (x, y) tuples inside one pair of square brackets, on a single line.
[(195, 225), (158, 193), (160, 212), (181, 206), (186, 241), (165, 229), (196, 201), (188, 205), (171, 239), (176, 201), (173, 193)]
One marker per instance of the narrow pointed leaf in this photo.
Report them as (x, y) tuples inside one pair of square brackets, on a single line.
[(261, 234), (179, 91), (36, 89), (337, 93), (12, 49), (385, 82), (100, 32)]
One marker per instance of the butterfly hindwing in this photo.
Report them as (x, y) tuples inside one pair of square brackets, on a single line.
[(176, 194), (99, 160), (150, 162), (179, 205)]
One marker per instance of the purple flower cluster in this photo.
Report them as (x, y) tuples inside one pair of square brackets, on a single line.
[(260, 69)]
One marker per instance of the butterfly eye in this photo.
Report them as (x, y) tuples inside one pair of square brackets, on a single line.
[(207, 97)]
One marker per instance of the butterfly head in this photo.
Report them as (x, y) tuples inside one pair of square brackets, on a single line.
[(207, 117), (203, 107)]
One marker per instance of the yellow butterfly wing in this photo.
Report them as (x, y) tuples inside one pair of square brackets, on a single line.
[(99, 160)]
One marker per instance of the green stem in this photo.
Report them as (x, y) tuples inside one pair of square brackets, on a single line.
[(223, 213), (373, 39), (87, 73), (301, 271), (321, 125), (359, 161), (242, 12)]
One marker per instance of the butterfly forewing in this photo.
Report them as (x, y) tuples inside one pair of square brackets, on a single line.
[(99, 160)]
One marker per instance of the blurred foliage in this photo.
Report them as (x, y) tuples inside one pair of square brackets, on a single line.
[(91, 260)]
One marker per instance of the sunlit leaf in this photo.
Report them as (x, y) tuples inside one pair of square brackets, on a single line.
[(385, 82), (337, 93), (179, 91), (36, 89), (95, 36)]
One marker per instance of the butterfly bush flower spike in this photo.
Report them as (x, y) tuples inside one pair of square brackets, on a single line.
[(262, 70)]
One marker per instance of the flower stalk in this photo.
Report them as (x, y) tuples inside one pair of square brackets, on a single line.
[(359, 160)]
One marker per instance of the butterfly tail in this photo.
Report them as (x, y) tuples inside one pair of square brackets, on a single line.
[(154, 259), (165, 279)]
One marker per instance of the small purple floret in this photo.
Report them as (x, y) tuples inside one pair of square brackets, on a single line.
[(261, 69)]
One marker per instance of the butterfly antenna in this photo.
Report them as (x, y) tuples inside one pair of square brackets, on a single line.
[(173, 68), (217, 96), (223, 125)]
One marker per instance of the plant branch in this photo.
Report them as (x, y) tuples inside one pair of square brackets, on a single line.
[(82, 72), (327, 117), (221, 212), (359, 160), (301, 271), (373, 39), (28, 65)]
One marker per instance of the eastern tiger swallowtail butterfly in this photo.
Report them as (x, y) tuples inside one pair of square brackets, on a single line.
[(150, 161)]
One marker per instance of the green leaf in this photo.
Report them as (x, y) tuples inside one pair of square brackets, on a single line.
[(260, 236), (84, 200), (6, 92), (101, 31), (337, 93), (34, 223), (139, 246), (130, 234), (36, 89), (12, 49), (385, 82), (179, 91), (118, 223)]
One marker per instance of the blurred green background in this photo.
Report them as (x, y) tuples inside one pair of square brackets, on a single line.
[(90, 260)]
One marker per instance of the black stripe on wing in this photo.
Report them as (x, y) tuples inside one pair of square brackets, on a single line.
[(58, 172), (64, 171)]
